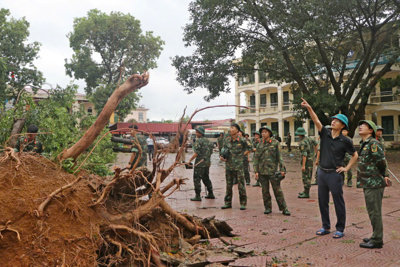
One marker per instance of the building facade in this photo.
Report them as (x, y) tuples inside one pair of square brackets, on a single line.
[(271, 104)]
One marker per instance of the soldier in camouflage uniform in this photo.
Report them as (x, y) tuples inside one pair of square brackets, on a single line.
[(246, 160), (314, 151), (256, 141), (306, 161), (220, 142), (266, 161), (379, 132), (137, 138), (237, 147), (29, 143), (346, 161), (202, 153), (373, 177)]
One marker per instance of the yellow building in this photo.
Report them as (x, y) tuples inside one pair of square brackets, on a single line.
[(271, 104)]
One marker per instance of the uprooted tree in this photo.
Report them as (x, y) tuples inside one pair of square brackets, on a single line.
[(50, 217)]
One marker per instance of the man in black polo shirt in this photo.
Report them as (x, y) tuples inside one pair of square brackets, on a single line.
[(333, 147)]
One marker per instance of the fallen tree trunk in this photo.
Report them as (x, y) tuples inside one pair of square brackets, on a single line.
[(134, 82)]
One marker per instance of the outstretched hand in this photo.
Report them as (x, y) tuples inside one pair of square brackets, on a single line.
[(305, 104)]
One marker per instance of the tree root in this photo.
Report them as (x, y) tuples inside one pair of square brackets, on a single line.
[(6, 228), (10, 154), (40, 211)]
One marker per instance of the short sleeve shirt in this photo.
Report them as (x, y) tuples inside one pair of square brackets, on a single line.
[(333, 150)]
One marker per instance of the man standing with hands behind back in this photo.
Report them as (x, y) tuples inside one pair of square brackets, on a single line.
[(373, 177), (333, 148)]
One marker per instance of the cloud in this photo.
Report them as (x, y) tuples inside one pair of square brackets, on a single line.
[(51, 21)]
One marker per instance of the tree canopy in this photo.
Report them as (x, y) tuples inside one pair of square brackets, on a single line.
[(108, 48), (334, 52), (16, 57)]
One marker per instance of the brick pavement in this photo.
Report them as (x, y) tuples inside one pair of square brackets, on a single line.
[(292, 239)]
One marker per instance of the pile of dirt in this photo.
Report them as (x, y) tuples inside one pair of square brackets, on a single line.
[(115, 221), (68, 233)]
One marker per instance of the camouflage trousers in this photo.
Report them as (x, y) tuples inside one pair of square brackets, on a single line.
[(316, 174), (349, 174), (246, 166), (307, 174), (230, 175), (202, 174), (265, 180)]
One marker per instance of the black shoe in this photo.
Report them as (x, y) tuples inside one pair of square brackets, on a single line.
[(366, 240), (371, 245)]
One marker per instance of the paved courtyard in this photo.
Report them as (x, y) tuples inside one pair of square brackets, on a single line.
[(291, 240)]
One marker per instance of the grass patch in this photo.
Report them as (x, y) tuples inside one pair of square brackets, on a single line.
[(348, 241)]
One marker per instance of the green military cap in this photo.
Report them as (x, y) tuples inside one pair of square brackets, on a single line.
[(371, 124), (225, 153), (378, 127), (266, 128), (201, 130), (300, 131), (256, 132)]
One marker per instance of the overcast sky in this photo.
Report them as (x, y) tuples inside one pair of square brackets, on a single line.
[(51, 21)]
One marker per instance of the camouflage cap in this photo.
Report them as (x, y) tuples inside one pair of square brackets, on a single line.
[(378, 127), (371, 124)]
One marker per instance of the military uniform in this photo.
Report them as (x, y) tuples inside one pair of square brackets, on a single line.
[(234, 169), (220, 142), (313, 144), (246, 166), (372, 168), (143, 145), (28, 146), (203, 149), (382, 141), (305, 151), (266, 161), (349, 174)]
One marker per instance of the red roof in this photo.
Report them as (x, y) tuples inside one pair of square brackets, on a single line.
[(147, 127)]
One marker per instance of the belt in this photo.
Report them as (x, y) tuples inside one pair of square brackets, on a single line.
[(327, 170)]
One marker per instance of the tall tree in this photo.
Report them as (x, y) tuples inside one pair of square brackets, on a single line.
[(106, 47), (306, 43), (16, 64)]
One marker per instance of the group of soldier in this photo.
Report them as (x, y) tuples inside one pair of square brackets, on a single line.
[(334, 156)]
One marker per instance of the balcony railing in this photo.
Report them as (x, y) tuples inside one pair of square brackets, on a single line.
[(267, 108), (384, 97)]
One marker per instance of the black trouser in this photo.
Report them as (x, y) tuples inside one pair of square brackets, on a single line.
[(331, 182), (150, 151)]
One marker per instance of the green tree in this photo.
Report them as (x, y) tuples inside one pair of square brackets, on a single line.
[(107, 49), (16, 63), (306, 43)]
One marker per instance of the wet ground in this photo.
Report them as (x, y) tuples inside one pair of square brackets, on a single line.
[(291, 240)]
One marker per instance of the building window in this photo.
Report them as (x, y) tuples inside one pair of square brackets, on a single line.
[(274, 99), (286, 101), (140, 116), (89, 110), (262, 77), (252, 103), (264, 124), (311, 131), (253, 128), (263, 100), (388, 126), (275, 127), (286, 127)]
